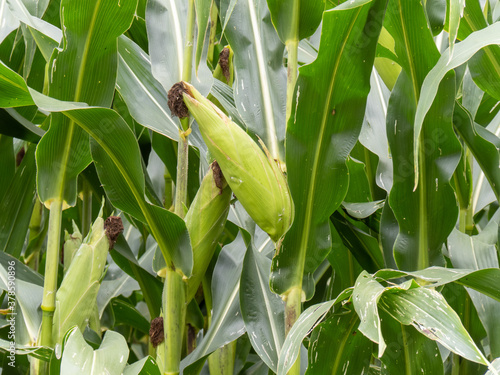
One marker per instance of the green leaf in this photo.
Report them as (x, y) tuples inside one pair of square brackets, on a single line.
[(430, 314), (202, 22), (31, 17), (483, 145), (15, 125), (367, 293), (79, 358), (125, 313), (13, 91), (226, 324), (166, 26), (259, 86), (463, 52), (470, 252), (362, 245), (146, 366), (306, 322), (310, 13), (339, 332), (262, 310), (485, 64), (485, 281), (150, 286), (84, 70), (436, 14), (408, 352), (455, 13), (28, 294), (323, 128), (123, 178), (16, 205), (146, 99), (427, 212)]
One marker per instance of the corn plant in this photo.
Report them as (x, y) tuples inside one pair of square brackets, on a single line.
[(249, 187)]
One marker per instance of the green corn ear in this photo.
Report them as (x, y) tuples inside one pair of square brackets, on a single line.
[(205, 221), (252, 175), (76, 298)]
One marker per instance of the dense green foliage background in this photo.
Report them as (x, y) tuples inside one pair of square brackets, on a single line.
[(384, 116)]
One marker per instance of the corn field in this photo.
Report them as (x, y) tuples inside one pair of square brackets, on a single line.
[(249, 187)]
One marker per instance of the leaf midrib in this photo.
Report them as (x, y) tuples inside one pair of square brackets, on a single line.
[(78, 92), (420, 174), (314, 174)]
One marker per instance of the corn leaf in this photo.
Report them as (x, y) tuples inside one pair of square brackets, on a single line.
[(319, 138), (427, 212), (310, 13), (408, 352), (260, 78), (79, 358), (340, 332), (262, 310), (226, 306), (83, 70), (124, 178)]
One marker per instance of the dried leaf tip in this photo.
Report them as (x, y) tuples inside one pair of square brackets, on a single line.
[(175, 101)]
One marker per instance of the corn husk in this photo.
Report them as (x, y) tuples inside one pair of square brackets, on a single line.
[(205, 221), (252, 175), (71, 244), (76, 298)]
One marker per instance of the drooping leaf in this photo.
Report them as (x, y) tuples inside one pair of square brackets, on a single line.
[(306, 322), (323, 128), (463, 52), (429, 313), (262, 310), (226, 323), (83, 70), (485, 64), (79, 358), (123, 175)]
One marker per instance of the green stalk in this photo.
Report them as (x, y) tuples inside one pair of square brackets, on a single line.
[(175, 289), (87, 208), (51, 268), (292, 46), (183, 148), (182, 174), (293, 302), (174, 313), (293, 305)]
